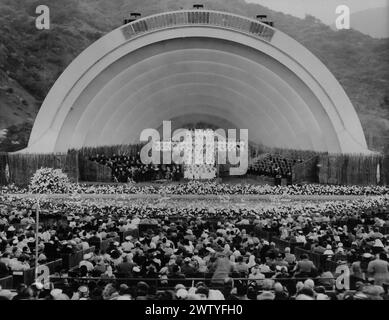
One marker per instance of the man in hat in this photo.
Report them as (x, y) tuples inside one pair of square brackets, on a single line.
[(124, 269), (379, 269), (223, 268)]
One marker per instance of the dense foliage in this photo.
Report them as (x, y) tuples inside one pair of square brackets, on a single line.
[(48, 180)]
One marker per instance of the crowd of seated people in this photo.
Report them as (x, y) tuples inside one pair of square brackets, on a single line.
[(215, 188), (130, 168), (273, 166), (206, 241)]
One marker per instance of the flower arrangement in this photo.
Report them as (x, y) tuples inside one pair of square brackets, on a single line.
[(49, 180)]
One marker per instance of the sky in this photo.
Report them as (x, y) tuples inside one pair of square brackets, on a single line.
[(322, 9)]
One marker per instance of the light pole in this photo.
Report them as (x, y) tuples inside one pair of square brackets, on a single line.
[(37, 237)]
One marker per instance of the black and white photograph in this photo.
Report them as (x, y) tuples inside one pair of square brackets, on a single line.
[(195, 156)]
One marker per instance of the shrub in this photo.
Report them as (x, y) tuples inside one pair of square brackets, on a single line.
[(49, 180)]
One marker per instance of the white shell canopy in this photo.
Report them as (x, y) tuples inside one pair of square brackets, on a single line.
[(201, 65)]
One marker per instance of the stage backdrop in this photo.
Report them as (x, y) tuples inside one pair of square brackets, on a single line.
[(316, 168), (23, 166), (352, 169), (4, 177)]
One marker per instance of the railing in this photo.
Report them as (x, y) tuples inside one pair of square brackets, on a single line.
[(28, 276), (194, 279), (169, 284), (198, 18)]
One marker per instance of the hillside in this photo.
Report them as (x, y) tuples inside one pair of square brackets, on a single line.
[(31, 60), (374, 22)]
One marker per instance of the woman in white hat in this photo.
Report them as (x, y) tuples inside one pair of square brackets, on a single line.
[(329, 253)]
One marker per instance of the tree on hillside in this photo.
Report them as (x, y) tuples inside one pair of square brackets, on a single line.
[(16, 138)]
